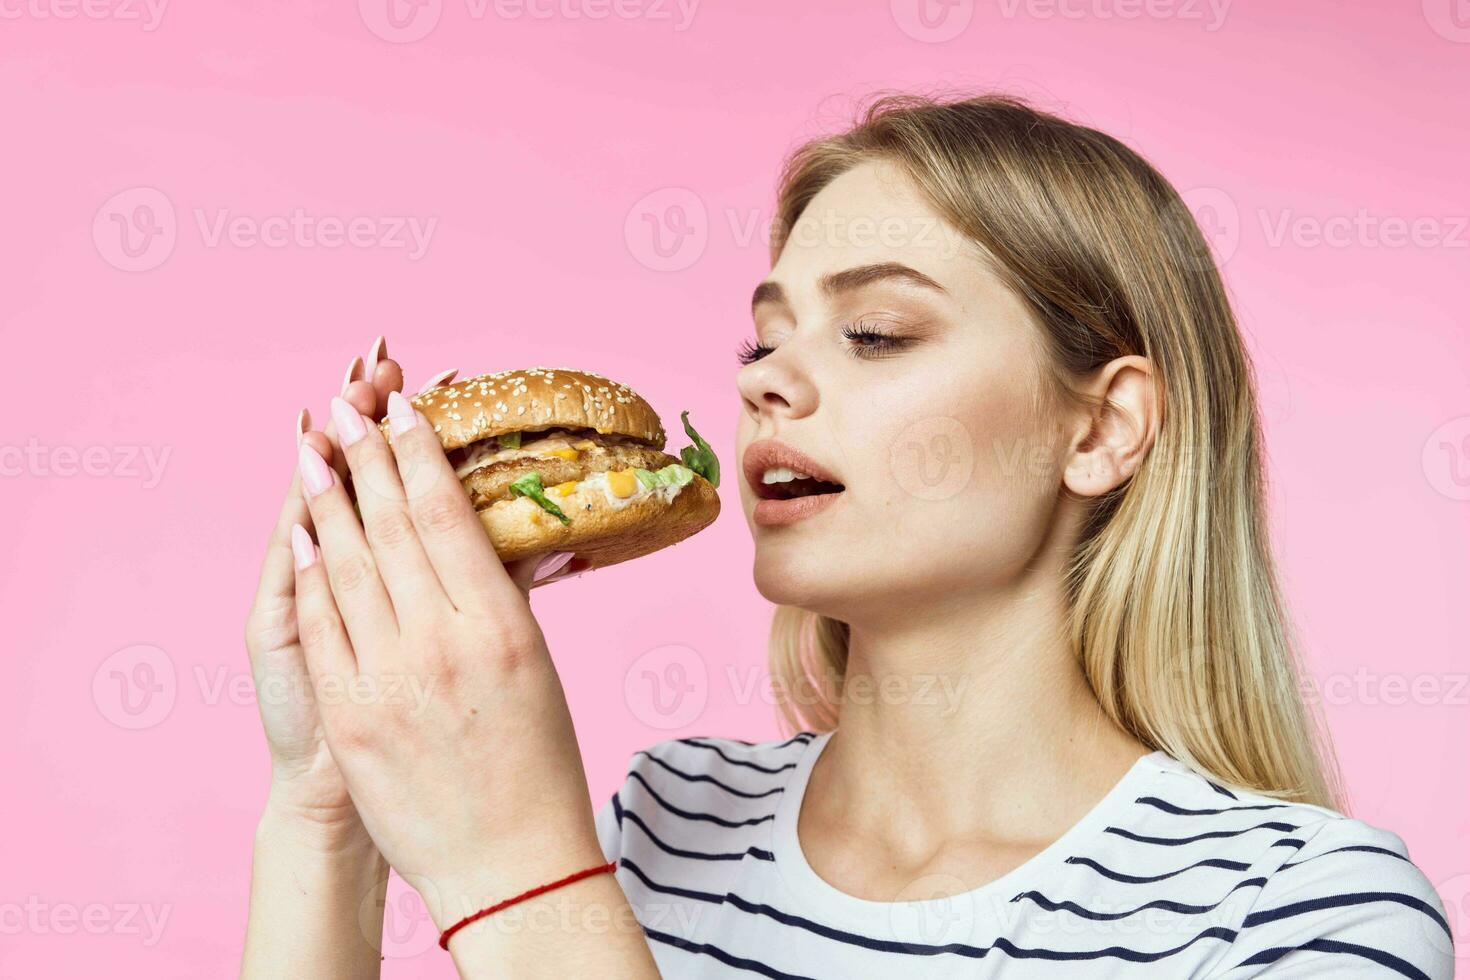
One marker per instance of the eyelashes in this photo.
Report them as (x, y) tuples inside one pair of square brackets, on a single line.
[(750, 352), (864, 341)]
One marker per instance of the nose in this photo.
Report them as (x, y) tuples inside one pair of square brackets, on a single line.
[(776, 386)]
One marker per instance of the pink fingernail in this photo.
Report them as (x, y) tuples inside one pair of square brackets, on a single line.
[(551, 564), (442, 378), (303, 424), (379, 351), (316, 476), (302, 548), (401, 416), (354, 373), (350, 427)]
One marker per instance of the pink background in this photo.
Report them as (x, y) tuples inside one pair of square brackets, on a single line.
[(534, 143)]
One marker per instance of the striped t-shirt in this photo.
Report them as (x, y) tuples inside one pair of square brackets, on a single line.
[(1170, 875)]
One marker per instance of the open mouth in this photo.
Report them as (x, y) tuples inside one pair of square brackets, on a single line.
[(779, 483)]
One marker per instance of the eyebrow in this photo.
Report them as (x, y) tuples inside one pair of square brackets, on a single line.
[(848, 280)]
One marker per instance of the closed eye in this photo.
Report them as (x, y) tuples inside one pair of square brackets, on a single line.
[(869, 342), (750, 352)]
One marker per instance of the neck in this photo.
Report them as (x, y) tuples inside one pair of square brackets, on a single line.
[(970, 716)]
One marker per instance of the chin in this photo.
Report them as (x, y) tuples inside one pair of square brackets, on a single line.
[(800, 579)]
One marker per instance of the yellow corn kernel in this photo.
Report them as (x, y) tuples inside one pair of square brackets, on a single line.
[(564, 453), (565, 489), (622, 483)]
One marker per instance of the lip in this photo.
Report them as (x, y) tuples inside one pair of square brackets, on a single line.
[(771, 512), (775, 513), (767, 453)]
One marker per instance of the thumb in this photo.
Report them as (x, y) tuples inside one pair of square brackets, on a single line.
[(527, 573)]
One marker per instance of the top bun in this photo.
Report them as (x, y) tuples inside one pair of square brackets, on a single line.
[(477, 408)]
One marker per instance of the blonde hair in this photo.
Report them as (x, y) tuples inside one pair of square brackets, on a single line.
[(1176, 614)]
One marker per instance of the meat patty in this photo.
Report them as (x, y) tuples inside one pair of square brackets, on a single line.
[(492, 482)]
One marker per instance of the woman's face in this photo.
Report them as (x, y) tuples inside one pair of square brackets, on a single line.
[(891, 357)]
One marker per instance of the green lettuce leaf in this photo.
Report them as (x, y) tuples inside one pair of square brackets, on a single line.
[(530, 486), (699, 457), (673, 475)]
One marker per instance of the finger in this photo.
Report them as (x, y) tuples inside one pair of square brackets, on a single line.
[(572, 569), (329, 653), (451, 532), (356, 371), (357, 589), (361, 396), (404, 567), (527, 573), (386, 378), (442, 378), (275, 591)]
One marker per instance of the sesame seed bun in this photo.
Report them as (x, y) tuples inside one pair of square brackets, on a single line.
[(537, 398)]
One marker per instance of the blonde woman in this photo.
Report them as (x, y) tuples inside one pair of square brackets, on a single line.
[(1000, 455)]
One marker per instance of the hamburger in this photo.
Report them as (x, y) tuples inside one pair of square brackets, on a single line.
[(555, 459)]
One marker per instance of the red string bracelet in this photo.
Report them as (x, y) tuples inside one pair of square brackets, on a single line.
[(539, 890)]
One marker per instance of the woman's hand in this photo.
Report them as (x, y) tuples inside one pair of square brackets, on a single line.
[(437, 695), (317, 880), (305, 782)]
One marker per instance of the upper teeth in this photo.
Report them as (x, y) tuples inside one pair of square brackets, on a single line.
[(780, 474)]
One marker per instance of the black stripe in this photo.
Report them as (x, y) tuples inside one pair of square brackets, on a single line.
[(690, 815), (1221, 789), (1168, 807), (1401, 967), (1149, 879), (1211, 835), (705, 949), (754, 852), (802, 737), (700, 778), (922, 949), (737, 762), (618, 810), (1368, 848), (1346, 901), (1168, 906)]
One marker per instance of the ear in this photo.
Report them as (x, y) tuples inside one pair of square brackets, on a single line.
[(1117, 430)]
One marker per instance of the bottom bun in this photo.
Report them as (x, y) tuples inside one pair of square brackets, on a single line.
[(601, 533)]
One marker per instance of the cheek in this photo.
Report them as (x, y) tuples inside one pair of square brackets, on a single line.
[(973, 470)]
